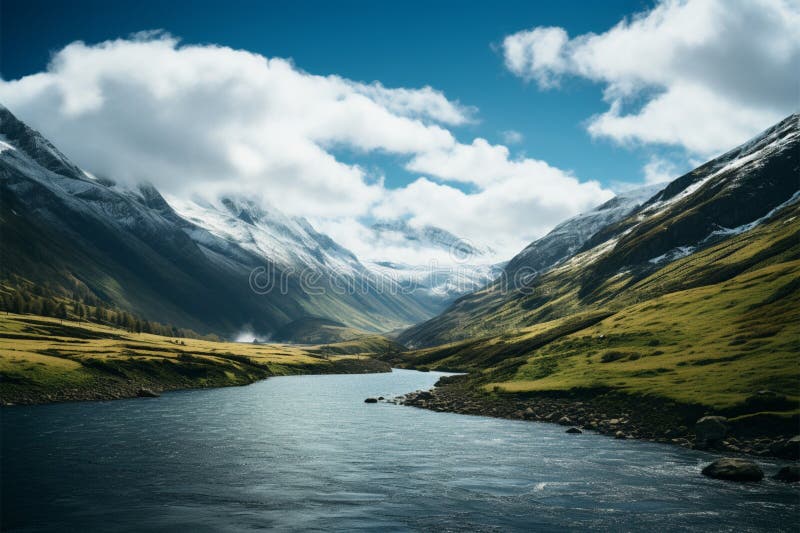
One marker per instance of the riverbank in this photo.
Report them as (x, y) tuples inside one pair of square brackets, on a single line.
[(619, 416), (105, 387), (45, 360)]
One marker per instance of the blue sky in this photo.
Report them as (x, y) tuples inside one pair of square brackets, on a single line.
[(443, 44), (494, 121)]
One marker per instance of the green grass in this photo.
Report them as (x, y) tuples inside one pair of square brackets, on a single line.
[(711, 329), (713, 345), (41, 356)]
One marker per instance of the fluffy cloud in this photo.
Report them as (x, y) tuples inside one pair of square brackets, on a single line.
[(209, 119), (701, 74)]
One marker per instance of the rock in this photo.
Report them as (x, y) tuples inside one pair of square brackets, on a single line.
[(789, 474), (381, 398), (788, 449), (574, 430), (619, 435), (564, 421), (424, 395), (710, 430), (147, 393), (371, 400), (734, 469)]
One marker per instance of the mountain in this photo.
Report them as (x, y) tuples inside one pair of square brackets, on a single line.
[(729, 195), (445, 268), (686, 307), (569, 236), (290, 242), (429, 237), (63, 228)]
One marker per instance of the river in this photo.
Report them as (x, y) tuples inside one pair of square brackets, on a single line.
[(306, 453)]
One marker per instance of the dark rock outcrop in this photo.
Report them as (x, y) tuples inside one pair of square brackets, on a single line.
[(789, 474), (710, 430), (734, 469)]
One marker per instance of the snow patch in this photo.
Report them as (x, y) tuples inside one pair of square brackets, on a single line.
[(725, 232), (673, 255)]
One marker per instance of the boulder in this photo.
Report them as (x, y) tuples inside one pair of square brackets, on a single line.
[(788, 449), (564, 421), (619, 435), (574, 430), (789, 474), (371, 400), (734, 469), (710, 430), (147, 393)]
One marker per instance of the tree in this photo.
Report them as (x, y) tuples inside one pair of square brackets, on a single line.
[(46, 308), (18, 305)]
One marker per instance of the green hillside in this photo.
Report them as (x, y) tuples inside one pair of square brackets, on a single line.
[(46, 359), (712, 329)]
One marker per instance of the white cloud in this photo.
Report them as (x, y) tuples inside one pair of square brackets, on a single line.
[(512, 137), (658, 170), (210, 119), (711, 73)]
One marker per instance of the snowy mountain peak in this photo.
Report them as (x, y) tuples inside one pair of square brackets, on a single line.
[(569, 236), (18, 135), (429, 237)]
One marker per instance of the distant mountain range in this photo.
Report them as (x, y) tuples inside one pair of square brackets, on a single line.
[(455, 266), (190, 262)]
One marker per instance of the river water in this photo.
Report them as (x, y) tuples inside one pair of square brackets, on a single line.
[(305, 453)]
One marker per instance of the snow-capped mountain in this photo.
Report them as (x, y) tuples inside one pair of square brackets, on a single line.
[(591, 258), (288, 241), (189, 267), (294, 244), (569, 236), (728, 195), (446, 267), (430, 237)]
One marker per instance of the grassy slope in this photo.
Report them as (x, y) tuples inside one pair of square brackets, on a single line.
[(49, 359), (710, 329)]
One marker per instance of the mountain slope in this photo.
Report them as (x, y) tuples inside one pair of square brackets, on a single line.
[(732, 194), (569, 236), (62, 227), (643, 342)]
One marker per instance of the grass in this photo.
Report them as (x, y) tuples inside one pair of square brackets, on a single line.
[(43, 357), (710, 330), (714, 345)]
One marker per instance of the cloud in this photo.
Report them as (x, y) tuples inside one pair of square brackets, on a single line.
[(704, 75), (659, 170), (206, 119), (511, 137)]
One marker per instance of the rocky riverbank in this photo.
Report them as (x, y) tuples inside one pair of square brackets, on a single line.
[(616, 415)]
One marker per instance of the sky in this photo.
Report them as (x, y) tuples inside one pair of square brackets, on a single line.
[(494, 121)]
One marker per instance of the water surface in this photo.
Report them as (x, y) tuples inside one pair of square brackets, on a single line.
[(305, 453)]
